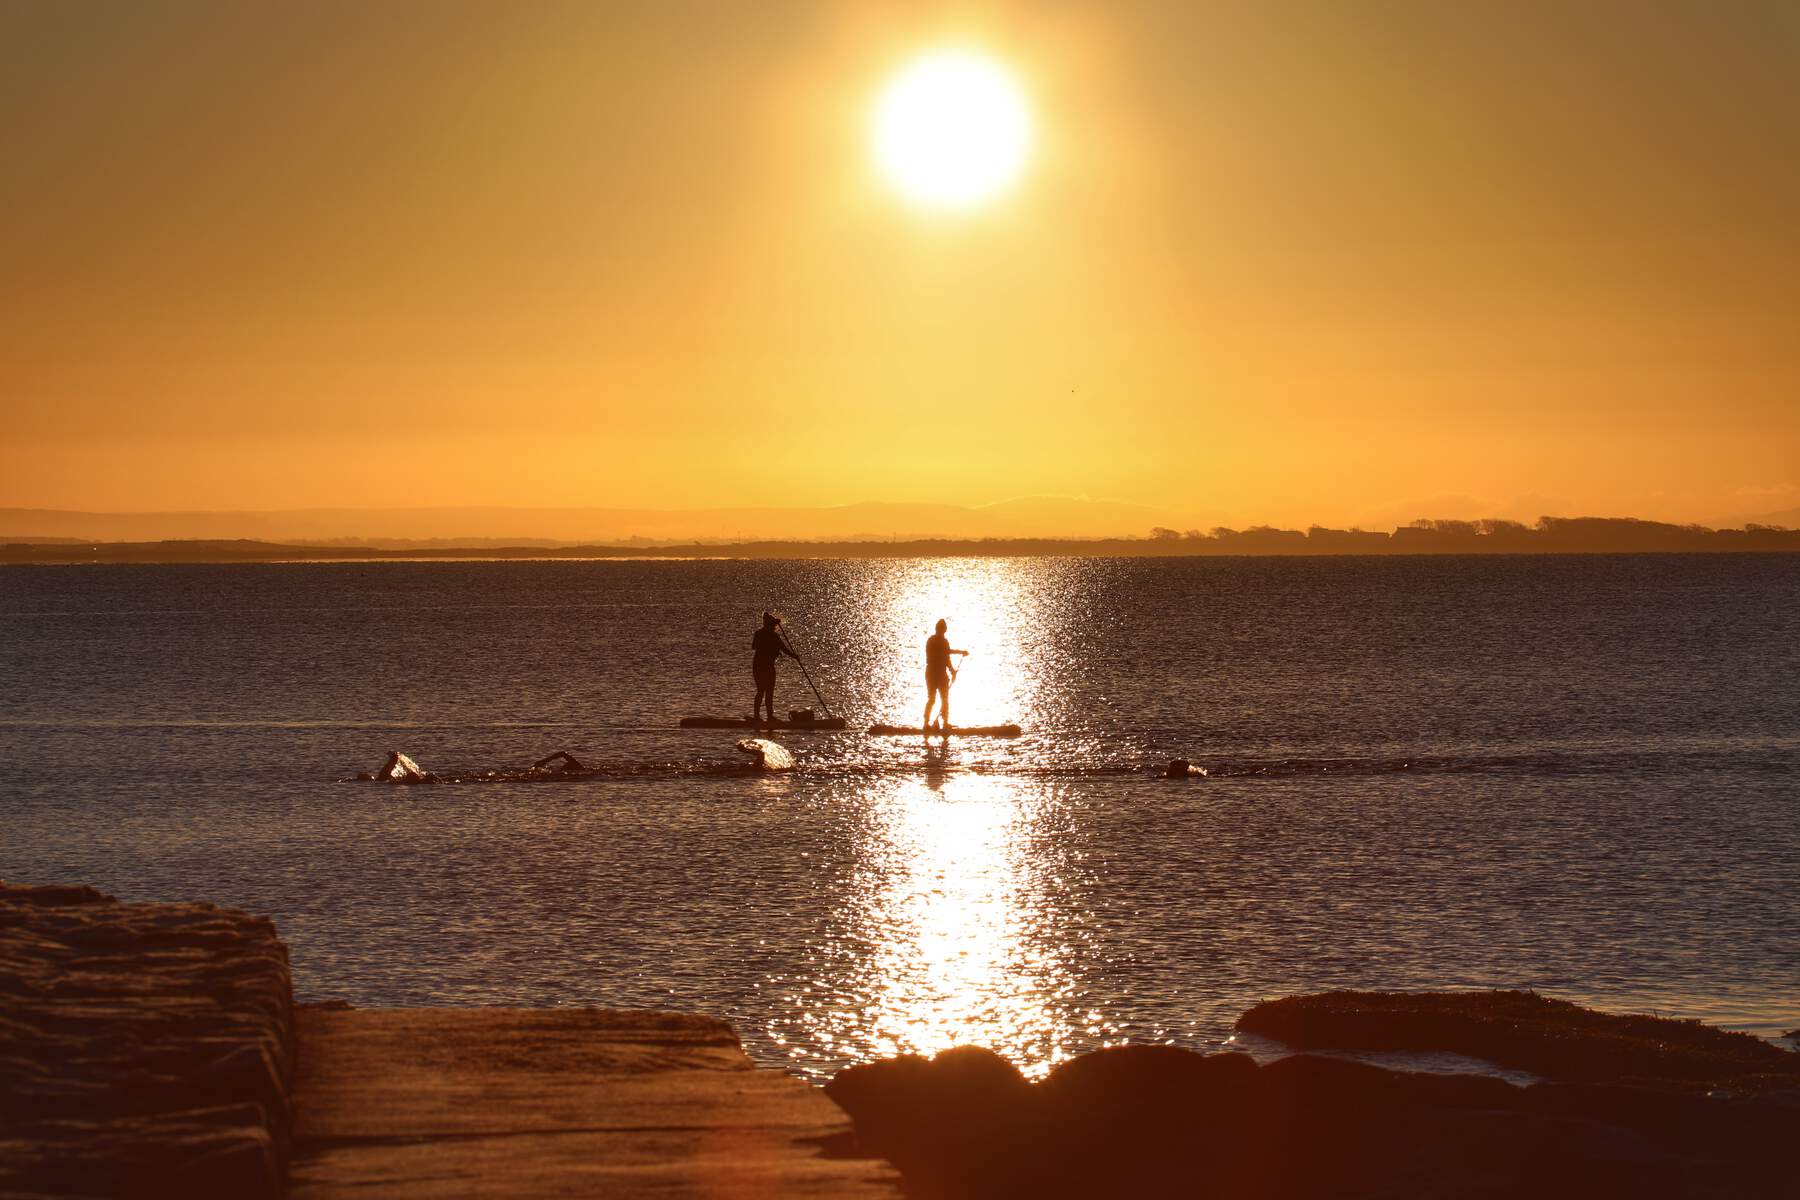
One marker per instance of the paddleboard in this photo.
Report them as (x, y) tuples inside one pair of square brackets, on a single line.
[(817, 723), (768, 755), (994, 731)]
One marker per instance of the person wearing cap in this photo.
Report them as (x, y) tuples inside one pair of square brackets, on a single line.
[(765, 647), (939, 673)]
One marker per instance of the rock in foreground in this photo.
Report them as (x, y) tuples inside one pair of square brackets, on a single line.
[(1529, 1032), (145, 1049), (1153, 1121)]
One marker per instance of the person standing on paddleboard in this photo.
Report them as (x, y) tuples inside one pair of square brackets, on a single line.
[(765, 647), (939, 674)]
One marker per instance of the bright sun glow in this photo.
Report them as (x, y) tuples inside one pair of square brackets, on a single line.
[(951, 130)]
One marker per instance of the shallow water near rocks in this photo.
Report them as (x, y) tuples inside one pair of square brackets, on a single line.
[(1580, 775)]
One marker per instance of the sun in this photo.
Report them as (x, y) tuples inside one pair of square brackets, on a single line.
[(951, 131)]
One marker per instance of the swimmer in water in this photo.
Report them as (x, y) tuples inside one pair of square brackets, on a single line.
[(398, 769), (564, 764), (939, 674)]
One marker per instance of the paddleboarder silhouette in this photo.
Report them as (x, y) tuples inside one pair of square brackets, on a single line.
[(766, 646), (939, 674)]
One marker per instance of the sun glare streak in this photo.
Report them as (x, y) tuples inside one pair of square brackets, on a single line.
[(952, 941), (953, 969), (951, 131)]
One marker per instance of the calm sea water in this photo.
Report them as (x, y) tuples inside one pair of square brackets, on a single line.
[(1580, 775)]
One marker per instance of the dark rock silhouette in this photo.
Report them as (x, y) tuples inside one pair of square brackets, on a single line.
[(1158, 1121), (1524, 1030), (957, 1124)]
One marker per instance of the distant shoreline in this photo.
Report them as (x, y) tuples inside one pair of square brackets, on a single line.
[(1551, 536)]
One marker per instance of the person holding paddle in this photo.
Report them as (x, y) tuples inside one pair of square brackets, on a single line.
[(765, 647), (939, 674)]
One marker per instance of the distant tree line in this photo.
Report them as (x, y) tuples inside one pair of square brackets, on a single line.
[(1551, 535)]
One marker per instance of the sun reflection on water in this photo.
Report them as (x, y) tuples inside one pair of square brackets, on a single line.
[(953, 924), (953, 936), (952, 964)]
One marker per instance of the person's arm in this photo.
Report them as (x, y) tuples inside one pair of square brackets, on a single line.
[(787, 649)]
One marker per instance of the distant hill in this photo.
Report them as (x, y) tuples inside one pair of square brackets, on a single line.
[(1062, 516), (1030, 517), (1787, 518)]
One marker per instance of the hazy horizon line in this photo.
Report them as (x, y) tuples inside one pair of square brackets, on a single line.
[(484, 525), (1550, 535)]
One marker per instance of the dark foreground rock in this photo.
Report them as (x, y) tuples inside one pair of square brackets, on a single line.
[(1524, 1030), (1154, 1121), (145, 1049)]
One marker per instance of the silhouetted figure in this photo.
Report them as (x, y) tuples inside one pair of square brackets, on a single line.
[(563, 760), (765, 647), (939, 674)]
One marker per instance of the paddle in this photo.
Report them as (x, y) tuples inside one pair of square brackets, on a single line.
[(805, 674)]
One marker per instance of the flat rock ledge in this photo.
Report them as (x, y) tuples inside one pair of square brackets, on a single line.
[(145, 1049), (474, 1102)]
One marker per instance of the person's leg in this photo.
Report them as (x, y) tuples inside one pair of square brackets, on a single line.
[(944, 707)]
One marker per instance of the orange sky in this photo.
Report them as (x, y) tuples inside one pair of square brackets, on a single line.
[(1355, 262)]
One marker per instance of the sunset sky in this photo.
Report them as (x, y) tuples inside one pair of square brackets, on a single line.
[(1352, 262)]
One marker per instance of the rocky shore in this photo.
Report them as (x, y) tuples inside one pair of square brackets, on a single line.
[(154, 1050), (1627, 1107), (145, 1049), (1529, 1032)]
